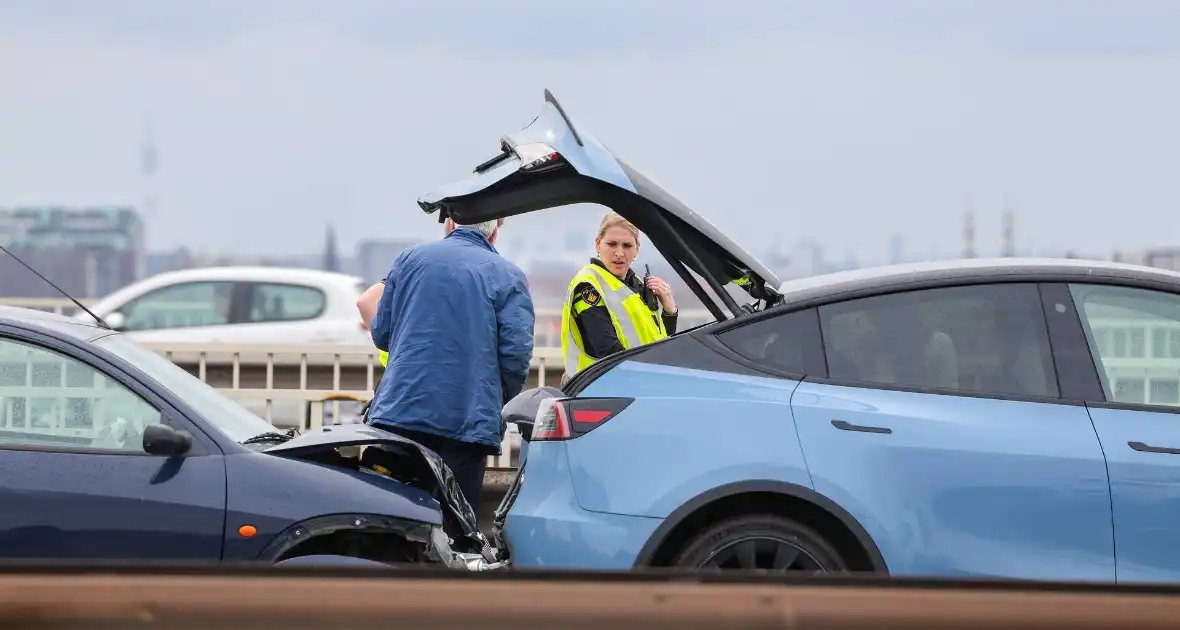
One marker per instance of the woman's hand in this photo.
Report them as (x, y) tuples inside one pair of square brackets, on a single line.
[(663, 291)]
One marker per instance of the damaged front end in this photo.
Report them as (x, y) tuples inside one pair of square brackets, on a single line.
[(458, 543)]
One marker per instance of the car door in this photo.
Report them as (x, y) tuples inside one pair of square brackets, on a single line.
[(940, 427), (187, 312), (1134, 337), (75, 481)]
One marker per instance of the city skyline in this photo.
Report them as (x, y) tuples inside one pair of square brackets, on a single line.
[(91, 252)]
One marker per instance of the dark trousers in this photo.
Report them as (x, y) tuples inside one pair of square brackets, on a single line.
[(467, 461)]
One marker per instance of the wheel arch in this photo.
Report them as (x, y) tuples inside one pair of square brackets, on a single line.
[(679, 524), (297, 534)]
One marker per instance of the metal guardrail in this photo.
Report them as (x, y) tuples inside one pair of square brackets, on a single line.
[(60, 306), (314, 600)]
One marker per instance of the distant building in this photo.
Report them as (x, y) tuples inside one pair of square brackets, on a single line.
[(162, 262), (374, 257), (1161, 257), (331, 257), (896, 249), (88, 252), (1165, 258)]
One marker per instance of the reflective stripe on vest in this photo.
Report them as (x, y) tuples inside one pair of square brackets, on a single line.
[(635, 324)]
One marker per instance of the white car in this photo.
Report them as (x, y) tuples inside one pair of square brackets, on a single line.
[(248, 305)]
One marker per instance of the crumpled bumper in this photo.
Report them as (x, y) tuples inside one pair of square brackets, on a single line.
[(440, 550), (404, 460)]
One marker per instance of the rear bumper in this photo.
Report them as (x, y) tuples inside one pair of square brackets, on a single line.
[(546, 528), (576, 539)]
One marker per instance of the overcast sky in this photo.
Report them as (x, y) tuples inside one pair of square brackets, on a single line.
[(840, 121)]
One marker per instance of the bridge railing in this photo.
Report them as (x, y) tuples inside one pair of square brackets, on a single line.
[(61, 306)]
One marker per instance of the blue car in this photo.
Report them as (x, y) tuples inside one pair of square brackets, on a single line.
[(1008, 418), (109, 451)]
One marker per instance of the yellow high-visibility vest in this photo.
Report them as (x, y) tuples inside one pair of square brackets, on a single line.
[(384, 357), (634, 322)]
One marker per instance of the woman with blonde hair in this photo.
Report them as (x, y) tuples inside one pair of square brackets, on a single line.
[(608, 307)]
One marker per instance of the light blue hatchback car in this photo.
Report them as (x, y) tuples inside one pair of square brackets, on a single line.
[(1009, 418)]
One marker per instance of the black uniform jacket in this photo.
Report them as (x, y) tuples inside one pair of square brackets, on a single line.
[(594, 323)]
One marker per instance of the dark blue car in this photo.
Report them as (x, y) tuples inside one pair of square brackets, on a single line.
[(110, 451)]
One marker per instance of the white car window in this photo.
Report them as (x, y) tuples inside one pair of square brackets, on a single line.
[(179, 306), (53, 401), (285, 303)]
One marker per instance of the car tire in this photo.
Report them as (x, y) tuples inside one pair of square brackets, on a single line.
[(334, 561), (767, 542)]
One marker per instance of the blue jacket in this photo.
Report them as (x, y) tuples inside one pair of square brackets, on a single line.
[(457, 320)]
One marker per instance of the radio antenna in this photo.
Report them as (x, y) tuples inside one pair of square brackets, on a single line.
[(97, 319)]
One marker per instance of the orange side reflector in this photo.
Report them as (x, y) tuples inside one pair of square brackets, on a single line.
[(247, 531)]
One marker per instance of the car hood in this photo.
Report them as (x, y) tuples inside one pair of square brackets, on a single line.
[(552, 163), (413, 454)]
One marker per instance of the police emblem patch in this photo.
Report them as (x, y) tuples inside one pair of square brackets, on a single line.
[(590, 296)]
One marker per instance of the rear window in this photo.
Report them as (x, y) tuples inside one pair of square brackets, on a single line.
[(789, 342), (285, 303)]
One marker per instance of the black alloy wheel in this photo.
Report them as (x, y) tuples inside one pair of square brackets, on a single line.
[(774, 555), (761, 543)]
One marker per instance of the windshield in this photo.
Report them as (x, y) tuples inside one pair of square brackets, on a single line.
[(227, 415)]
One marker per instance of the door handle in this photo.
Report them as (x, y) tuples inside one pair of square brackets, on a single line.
[(847, 426), (1146, 448)]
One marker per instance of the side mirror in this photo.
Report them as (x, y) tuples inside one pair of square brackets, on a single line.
[(161, 439), (522, 410), (115, 320)]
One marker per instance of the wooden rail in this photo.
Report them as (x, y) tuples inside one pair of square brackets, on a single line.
[(524, 601)]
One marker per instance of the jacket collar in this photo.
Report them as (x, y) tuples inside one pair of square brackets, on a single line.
[(632, 280), (472, 235)]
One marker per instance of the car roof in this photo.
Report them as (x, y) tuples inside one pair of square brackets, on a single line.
[(324, 280), (247, 273), (52, 323), (886, 278)]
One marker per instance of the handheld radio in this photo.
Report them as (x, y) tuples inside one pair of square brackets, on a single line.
[(646, 294)]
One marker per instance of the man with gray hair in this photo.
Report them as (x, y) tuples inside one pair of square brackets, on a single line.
[(457, 321), (367, 302)]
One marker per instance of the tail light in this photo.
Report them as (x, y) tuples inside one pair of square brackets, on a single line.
[(567, 418), (538, 158)]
